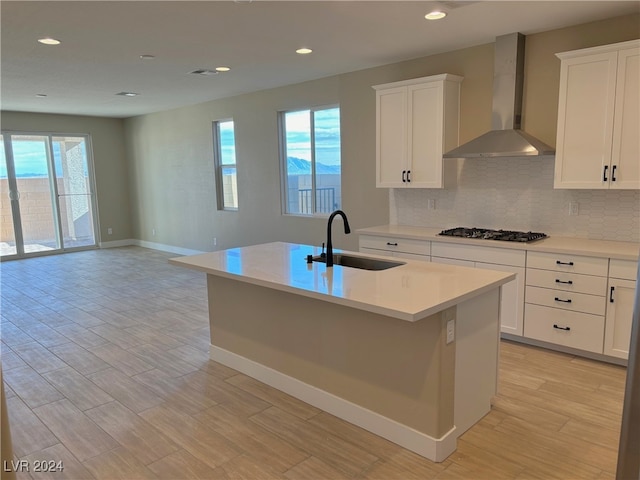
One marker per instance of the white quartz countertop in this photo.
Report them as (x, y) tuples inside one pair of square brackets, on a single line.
[(552, 244), (409, 292)]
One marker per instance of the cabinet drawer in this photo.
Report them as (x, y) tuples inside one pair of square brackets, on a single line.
[(569, 282), (562, 327), (395, 244), (568, 263), (474, 253), (578, 302), (625, 269)]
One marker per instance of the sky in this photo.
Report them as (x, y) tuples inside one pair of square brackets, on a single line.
[(327, 135), (30, 159)]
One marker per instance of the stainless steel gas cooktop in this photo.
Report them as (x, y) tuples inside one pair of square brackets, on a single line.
[(488, 234)]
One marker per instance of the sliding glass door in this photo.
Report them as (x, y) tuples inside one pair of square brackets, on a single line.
[(47, 192)]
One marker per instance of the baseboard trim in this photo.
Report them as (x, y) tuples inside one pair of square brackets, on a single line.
[(127, 242), (435, 449), (167, 248)]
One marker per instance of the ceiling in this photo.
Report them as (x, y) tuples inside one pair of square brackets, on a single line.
[(102, 42)]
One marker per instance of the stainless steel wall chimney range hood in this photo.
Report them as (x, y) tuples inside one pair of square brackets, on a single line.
[(505, 139)]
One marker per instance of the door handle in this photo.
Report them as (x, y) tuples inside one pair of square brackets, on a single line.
[(408, 175), (604, 174), (613, 173), (611, 294), (404, 178)]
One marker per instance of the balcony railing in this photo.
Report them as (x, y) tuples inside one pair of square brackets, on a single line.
[(325, 200)]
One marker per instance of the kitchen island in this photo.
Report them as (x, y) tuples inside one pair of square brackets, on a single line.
[(409, 353)]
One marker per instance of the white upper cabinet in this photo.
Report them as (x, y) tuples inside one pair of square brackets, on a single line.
[(597, 145), (416, 122)]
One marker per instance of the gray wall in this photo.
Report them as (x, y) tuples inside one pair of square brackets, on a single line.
[(111, 171)]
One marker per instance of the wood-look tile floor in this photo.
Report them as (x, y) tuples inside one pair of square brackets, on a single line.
[(106, 368)]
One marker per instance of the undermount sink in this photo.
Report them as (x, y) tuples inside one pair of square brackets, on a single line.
[(364, 263)]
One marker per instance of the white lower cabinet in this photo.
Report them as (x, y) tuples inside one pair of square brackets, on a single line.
[(396, 247), (492, 258), (564, 327), (576, 301), (565, 300), (621, 297)]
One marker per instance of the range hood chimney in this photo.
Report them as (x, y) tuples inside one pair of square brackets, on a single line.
[(505, 139)]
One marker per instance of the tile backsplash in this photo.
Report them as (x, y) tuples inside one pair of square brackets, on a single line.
[(518, 194)]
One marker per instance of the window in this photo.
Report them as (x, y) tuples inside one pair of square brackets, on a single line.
[(310, 146), (224, 156)]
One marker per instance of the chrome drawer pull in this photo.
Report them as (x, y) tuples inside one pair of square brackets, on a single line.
[(558, 262), (568, 282), (560, 300), (392, 244), (566, 329)]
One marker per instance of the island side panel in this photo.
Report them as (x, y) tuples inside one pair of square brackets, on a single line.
[(401, 370), (477, 349)]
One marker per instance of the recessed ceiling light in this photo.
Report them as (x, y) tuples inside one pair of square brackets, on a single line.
[(49, 41), (222, 69), (304, 51), (128, 94), (435, 15), (41, 95), (147, 57)]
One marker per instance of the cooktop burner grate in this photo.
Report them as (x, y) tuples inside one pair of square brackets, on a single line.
[(488, 234)]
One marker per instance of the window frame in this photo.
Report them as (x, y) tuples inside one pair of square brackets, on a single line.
[(282, 150), (219, 166)]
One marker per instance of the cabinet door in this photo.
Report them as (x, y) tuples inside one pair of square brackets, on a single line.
[(425, 104), (625, 163), (511, 299), (585, 121), (617, 334), (391, 134)]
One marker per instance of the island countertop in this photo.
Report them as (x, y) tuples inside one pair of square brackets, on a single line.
[(411, 292)]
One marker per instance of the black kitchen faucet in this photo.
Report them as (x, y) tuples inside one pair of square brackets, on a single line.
[(347, 230)]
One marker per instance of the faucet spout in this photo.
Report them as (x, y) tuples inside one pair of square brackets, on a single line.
[(347, 230)]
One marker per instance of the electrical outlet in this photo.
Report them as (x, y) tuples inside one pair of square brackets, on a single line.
[(215, 241), (574, 208), (109, 231), (153, 232), (431, 204), (451, 331)]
